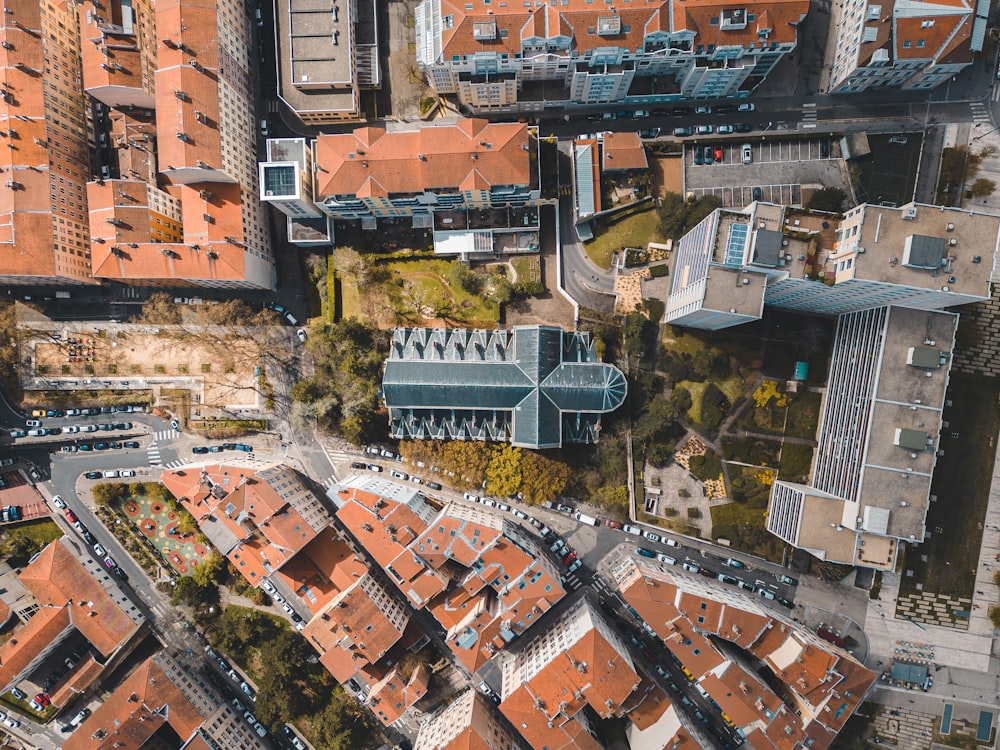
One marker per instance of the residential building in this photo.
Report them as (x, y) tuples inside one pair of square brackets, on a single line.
[(467, 722), (886, 272), (776, 682), (878, 439), (597, 155), (478, 574), (917, 256), (286, 182), (466, 165), (496, 56), (574, 671), (46, 162), (175, 201), (908, 44), (327, 52), (258, 518), (160, 704), (532, 386), (73, 607)]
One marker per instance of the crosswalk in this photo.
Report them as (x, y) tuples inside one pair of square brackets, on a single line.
[(153, 451), (996, 92), (330, 481), (809, 115), (177, 464), (980, 112), (571, 582), (272, 105)]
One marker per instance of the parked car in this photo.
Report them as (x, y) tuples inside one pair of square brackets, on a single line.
[(651, 536), (691, 567), (563, 508), (70, 515), (38, 412), (703, 110), (766, 593), (671, 542), (88, 428), (519, 513), (301, 333), (558, 545), (575, 566), (101, 552), (109, 562), (746, 585), (681, 111), (59, 502), (71, 429), (734, 563), (358, 465), (131, 444), (747, 107), (106, 427), (199, 449), (91, 474), (374, 467), (709, 154), (645, 552), (632, 530), (682, 132), (68, 449), (725, 129), (703, 130), (784, 602), (665, 559), (727, 579), (747, 152), (788, 579), (123, 425), (100, 446), (649, 134)]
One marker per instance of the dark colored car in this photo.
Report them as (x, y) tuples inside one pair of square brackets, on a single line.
[(100, 446), (215, 449), (645, 552), (681, 111), (709, 154), (86, 447), (824, 149), (742, 127), (757, 193), (199, 449), (120, 573), (123, 425), (131, 444), (784, 602), (725, 109), (115, 446), (91, 411), (53, 430), (92, 474), (54, 413), (358, 465)]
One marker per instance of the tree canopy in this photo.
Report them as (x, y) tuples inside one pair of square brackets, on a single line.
[(679, 216), (830, 199)]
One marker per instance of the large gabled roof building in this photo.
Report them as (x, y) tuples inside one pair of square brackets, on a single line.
[(533, 386)]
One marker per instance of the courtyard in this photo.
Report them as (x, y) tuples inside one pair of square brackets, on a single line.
[(158, 523)]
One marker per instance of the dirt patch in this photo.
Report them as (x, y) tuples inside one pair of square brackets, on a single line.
[(550, 308), (668, 175)]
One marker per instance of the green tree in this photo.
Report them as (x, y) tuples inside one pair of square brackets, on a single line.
[(462, 276), (17, 549), (829, 199), (677, 216), (110, 494), (188, 591), (160, 309), (503, 475), (211, 571), (468, 459), (343, 725), (542, 479), (613, 497), (983, 188)]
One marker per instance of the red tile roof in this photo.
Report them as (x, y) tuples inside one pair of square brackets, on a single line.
[(27, 642), (58, 579), (372, 162), (132, 714), (622, 151)]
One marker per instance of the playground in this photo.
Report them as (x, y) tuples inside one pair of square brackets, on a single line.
[(159, 524)]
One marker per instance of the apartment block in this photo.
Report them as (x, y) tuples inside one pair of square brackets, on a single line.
[(776, 682), (327, 53), (496, 56), (67, 607), (174, 201), (907, 44), (468, 721), (258, 518), (595, 155), (916, 256), (470, 164), (163, 704), (479, 575), (878, 439), (46, 162), (575, 671)]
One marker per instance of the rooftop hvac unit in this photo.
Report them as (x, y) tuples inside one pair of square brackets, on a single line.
[(950, 227), (952, 242)]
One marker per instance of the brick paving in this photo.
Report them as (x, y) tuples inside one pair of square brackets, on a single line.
[(936, 609), (910, 729), (984, 357)]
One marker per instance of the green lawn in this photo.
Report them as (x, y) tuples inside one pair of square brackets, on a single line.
[(731, 386), (745, 528), (425, 285), (634, 231), (795, 462), (803, 415), (751, 451), (42, 530), (350, 298), (962, 484)]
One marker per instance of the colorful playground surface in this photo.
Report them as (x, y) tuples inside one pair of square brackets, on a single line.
[(159, 524)]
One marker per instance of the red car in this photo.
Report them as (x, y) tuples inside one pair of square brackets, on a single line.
[(612, 524), (568, 559), (718, 153), (70, 516)]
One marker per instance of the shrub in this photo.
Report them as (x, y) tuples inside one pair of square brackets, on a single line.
[(660, 269), (694, 513)]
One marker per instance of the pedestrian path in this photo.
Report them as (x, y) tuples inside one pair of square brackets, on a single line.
[(980, 112), (165, 435), (154, 455), (178, 463)]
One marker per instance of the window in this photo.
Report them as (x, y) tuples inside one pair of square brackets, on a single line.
[(907, 44), (714, 21), (921, 42)]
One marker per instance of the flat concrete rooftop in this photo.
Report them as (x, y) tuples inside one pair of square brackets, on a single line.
[(734, 290)]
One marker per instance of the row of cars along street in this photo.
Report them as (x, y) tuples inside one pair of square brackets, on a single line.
[(99, 552)]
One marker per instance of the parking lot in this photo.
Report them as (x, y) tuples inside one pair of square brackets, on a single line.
[(776, 173)]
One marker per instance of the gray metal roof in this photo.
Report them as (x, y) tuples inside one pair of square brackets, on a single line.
[(534, 385)]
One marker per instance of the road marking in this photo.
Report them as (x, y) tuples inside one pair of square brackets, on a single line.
[(809, 115), (996, 93), (177, 463), (154, 455), (979, 112), (165, 435)]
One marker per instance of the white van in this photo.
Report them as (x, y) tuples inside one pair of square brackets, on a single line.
[(111, 474), (265, 131)]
